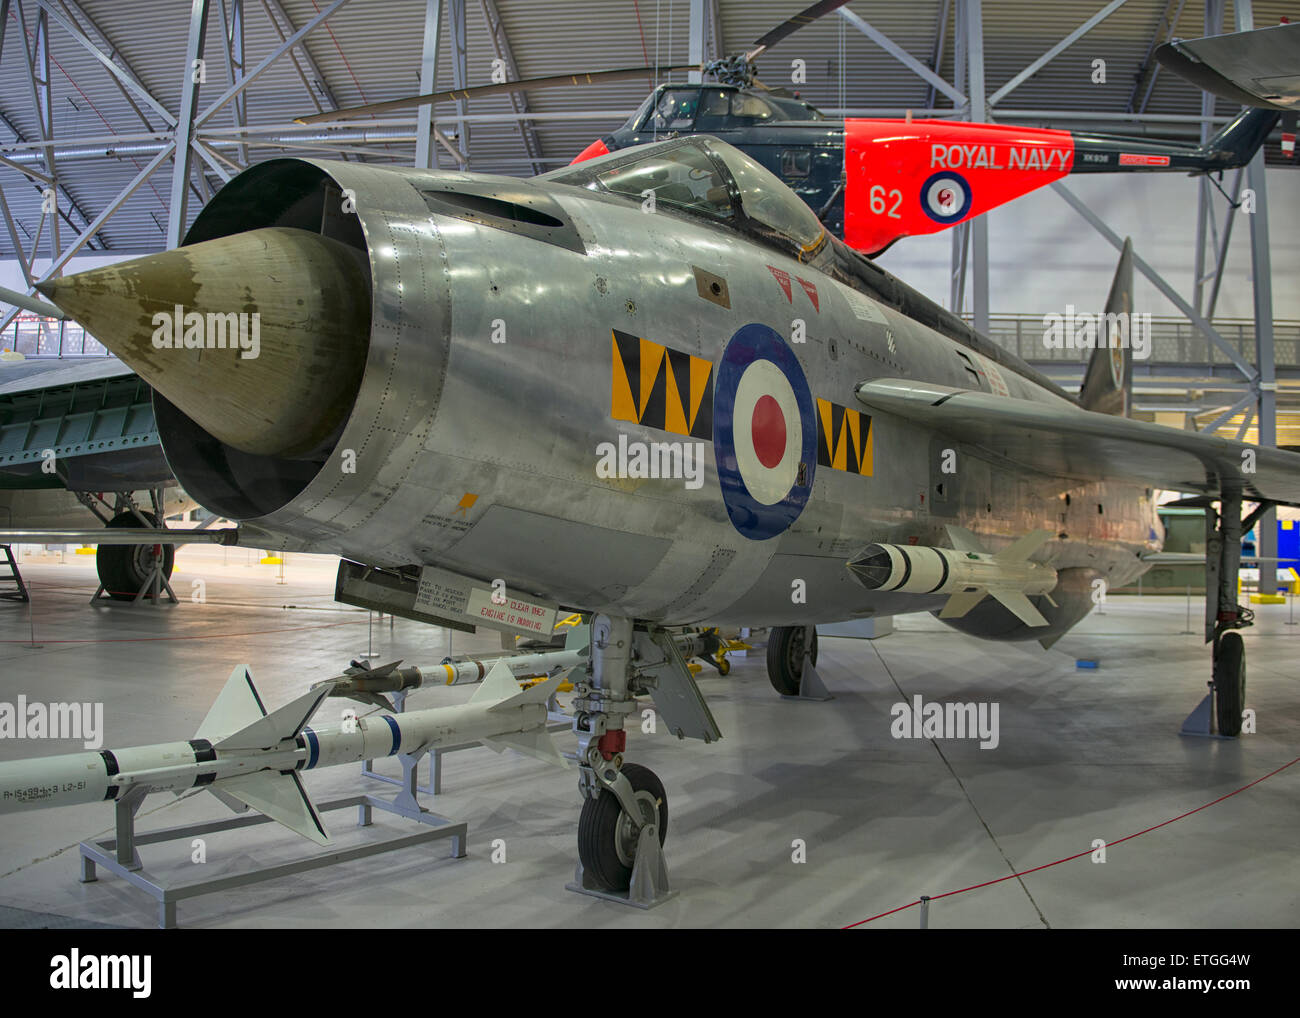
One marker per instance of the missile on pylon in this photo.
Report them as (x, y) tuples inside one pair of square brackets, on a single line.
[(966, 572), (367, 685), (241, 752)]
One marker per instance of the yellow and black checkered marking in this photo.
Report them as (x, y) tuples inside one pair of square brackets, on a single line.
[(660, 387), (843, 438)]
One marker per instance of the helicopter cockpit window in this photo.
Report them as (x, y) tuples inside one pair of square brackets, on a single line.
[(675, 112), (751, 106), (768, 202), (683, 177)]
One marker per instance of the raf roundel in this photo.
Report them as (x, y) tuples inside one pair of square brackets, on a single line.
[(764, 433), (945, 197)]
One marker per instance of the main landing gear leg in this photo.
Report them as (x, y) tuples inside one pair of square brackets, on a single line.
[(625, 812), (1219, 714)]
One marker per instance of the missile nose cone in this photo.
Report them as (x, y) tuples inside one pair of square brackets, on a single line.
[(260, 337)]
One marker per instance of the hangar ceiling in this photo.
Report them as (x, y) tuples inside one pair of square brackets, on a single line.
[(105, 133)]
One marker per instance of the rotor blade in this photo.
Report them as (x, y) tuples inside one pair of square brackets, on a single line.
[(587, 78), (805, 17)]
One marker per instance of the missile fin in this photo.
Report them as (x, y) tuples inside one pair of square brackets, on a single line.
[(578, 638), (284, 723), (1022, 549), (237, 706), (281, 797), (963, 540), (1019, 605), (962, 602), (539, 693), (499, 684), (536, 742)]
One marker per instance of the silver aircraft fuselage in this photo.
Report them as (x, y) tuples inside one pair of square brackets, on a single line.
[(493, 377)]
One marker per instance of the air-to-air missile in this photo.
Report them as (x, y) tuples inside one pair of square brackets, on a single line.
[(243, 753), (367, 684), (966, 571)]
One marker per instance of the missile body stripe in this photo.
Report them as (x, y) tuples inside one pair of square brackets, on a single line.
[(907, 567), (203, 751), (397, 735), (313, 748), (110, 761), (943, 561)]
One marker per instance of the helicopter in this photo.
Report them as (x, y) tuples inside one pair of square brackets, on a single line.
[(871, 182)]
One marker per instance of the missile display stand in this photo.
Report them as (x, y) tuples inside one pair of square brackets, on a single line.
[(120, 855)]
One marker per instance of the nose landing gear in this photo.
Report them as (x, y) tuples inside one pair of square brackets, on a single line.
[(624, 819)]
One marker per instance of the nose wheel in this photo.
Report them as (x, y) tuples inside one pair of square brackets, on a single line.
[(608, 838)]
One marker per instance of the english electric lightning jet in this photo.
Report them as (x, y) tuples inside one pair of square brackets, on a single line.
[(467, 383)]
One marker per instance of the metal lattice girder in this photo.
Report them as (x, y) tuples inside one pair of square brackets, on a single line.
[(1159, 281), (184, 146), (284, 27), (126, 79), (96, 37), (902, 56), (1037, 65), (518, 100), (1145, 79), (428, 82), (459, 65), (232, 22), (257, 71)]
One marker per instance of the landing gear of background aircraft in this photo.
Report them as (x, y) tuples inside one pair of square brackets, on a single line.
[(1226, 701), (1230, 683), (785, 656), (125, 568)]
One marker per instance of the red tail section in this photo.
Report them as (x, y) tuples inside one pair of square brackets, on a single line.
[(904, 178), (596, 148)]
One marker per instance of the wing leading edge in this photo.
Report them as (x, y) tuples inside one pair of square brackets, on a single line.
[(1061, 440)]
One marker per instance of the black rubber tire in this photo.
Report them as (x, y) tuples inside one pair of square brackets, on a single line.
[(1230, 683), (598, 828), (123, 568), (785, 658)]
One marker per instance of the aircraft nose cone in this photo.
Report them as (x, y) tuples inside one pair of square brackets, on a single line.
[(259, 337)]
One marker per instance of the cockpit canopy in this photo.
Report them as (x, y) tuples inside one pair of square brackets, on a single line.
[(707, 178), (705, 108)]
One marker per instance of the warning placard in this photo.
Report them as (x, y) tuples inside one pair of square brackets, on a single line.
[(450, 595)]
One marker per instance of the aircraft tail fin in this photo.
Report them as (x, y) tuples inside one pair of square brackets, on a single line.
[(1108, 382), (1241, 138)]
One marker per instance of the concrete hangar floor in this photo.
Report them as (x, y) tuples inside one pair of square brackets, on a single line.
[(1082, 755)]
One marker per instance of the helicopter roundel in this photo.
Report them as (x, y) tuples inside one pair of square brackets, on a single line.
[(946, 197), (764, 433)]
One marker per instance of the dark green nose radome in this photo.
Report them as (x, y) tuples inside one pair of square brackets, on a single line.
[(259, 337)]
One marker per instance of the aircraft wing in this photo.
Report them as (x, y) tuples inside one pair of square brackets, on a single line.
[(1259, 68), (1062, 440)]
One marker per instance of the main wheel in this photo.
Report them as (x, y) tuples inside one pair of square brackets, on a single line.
[(1230, 683), (607, 838), (123, 568), (785, 647)]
